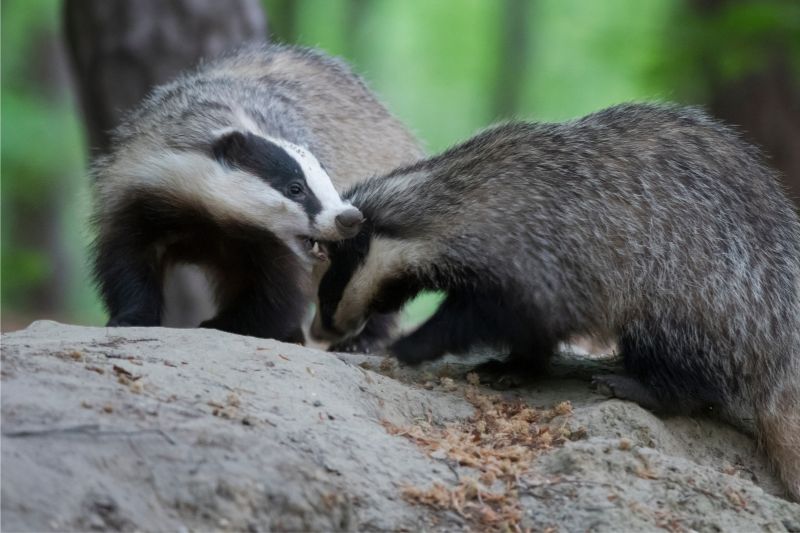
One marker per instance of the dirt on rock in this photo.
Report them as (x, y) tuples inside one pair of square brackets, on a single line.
[(166, 429)]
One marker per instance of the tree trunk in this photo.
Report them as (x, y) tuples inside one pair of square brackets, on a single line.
[(764, 103), (766, 106), (122, 48)]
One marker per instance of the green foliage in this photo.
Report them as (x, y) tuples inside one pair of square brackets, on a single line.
[(706, 48), (589, 55), (43, 168)]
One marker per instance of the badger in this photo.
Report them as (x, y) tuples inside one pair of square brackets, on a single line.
[(234, 168), (651, 224)]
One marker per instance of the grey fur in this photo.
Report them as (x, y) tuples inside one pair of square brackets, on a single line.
[(294, 94), (648, 223), (298, 94)]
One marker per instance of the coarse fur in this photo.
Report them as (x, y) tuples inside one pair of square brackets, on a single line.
[(202, 173), (651, 224)]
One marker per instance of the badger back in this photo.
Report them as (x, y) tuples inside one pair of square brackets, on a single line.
[(344, 123)]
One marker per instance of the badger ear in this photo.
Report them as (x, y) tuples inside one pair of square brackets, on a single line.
[(229, 146)]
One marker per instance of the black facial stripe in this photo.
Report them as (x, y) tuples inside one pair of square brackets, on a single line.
[(270, 162), (346, 257)]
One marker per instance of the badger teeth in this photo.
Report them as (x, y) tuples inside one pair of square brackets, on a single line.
[(319, 252)]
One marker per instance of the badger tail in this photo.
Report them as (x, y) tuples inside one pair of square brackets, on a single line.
[(778, 422)]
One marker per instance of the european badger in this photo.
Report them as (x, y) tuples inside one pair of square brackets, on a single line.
[(655, 225), (230, 168)]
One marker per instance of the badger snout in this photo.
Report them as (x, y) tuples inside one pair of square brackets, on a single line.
[(348, 222)]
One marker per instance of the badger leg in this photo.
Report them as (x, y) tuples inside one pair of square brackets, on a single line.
[(266, 312), (673, 368), (529, 356), (375, 334), (628, 388), (261, 295), (465, 320), (778, 422), (129, 278), (452, 328)]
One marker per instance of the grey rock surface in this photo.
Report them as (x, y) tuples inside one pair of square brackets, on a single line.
[(164, 429)]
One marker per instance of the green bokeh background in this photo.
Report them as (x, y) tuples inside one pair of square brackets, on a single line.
[(437, 64)]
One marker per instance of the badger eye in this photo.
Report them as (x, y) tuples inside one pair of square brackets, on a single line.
[(295, 189)]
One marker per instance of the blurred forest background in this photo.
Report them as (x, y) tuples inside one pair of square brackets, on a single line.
[(448, 68)]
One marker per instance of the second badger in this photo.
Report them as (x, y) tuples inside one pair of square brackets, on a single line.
[(653, 225)]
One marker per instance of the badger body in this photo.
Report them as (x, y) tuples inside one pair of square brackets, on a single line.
[(234, 168), (650, 224)]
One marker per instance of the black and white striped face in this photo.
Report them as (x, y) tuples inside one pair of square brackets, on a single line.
[(240, 177), (364, 275), (288, 190)]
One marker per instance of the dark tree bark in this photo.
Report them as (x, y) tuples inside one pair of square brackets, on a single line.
[(764, 103), (766, 106), (122, 48)]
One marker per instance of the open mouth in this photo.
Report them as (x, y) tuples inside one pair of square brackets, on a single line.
[(313, 248)]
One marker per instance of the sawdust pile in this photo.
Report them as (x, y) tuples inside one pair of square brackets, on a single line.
[(496, 445)]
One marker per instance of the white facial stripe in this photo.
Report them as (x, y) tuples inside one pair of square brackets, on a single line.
[(320, 184), (226, 194), (317, 179), (386, 258)]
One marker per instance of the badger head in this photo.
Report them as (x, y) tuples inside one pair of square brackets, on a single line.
[(367, 274), (239, 179), (283, 188)]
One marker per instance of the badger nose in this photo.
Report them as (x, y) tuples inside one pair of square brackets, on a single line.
[(348, 222)]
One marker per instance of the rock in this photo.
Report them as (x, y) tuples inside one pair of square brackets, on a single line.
[(166, 429)]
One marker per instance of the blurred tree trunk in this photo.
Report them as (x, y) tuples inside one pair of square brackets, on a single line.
[(764, 103), (122, 48), (513, 57), (42, 223)]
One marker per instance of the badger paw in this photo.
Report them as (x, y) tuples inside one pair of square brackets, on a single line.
[(355, 345), (627, 388), (412, 353)]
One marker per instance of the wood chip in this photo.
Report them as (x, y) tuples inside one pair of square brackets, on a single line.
[(500, 441)]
